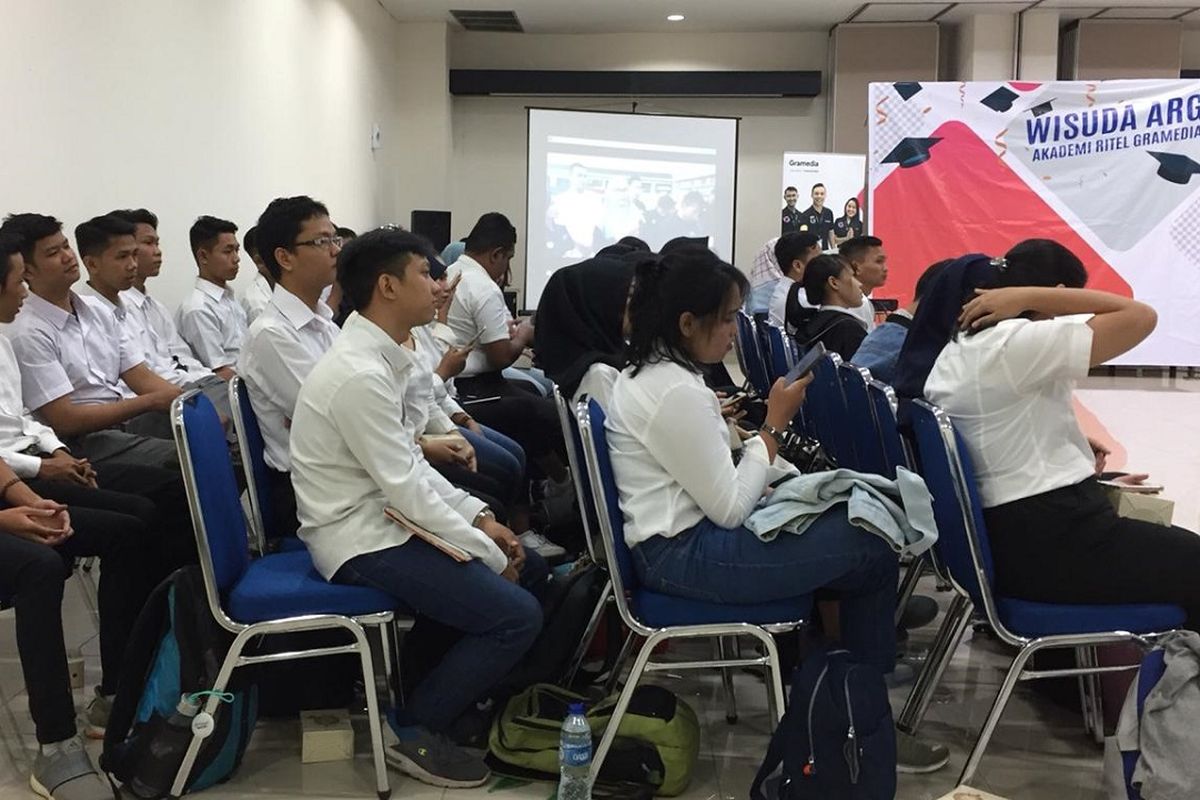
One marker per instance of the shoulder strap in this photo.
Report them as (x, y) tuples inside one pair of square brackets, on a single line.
[(771, 761)]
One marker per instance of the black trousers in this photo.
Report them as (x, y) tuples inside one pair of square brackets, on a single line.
[(32, 575), (519, 413), (1069, 546)]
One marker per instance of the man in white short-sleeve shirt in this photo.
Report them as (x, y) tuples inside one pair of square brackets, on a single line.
[(210, 319), (75, 359), (1008, 389), (258, 293)]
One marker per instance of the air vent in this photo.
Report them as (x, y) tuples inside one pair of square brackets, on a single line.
[(494, 21)]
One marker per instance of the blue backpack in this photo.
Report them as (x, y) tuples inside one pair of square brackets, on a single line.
[(176, 648), (837, 740)]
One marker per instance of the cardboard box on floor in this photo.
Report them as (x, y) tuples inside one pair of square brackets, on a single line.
[(1146, 507), (967, 793)]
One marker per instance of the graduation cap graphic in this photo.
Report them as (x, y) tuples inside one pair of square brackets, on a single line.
[(1001, 99), (906, 89), (1042, 108), (910, 152), (1174, 167)]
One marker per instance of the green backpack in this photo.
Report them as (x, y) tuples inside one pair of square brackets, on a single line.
[(656, 745)]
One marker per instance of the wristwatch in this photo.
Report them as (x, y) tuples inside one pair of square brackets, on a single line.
[(486, 513), (774, 433)]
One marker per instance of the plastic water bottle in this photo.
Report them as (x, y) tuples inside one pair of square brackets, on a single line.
[(575, 756)]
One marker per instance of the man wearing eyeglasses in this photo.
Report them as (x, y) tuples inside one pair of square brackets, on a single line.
[(210, 319), (299, 247)]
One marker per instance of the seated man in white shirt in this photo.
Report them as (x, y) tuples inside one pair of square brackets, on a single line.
[(112, 274), (793, 251), (210, 319), (258, 293), (351, 461), (866, 256), (299, 248), (480, 319), (72, 375)]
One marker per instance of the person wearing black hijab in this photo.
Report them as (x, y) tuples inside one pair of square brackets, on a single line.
[(580, 319)]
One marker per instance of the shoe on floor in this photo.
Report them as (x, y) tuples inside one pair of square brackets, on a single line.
[(914, 757), (532, 540), (435, 760), (920, 611), (64, 772), (98, 712)]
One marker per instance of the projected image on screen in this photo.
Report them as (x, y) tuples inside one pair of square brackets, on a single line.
[(597, 177)]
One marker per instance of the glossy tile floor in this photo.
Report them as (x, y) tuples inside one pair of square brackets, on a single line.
[(1039, 751)]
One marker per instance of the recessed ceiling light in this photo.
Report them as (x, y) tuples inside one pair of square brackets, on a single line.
[(675, 18)]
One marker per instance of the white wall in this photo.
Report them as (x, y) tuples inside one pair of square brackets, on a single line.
[(489, 155), (193, 107)]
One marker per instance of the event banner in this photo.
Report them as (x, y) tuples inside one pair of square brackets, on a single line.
[(1106, 168), (821, 194)]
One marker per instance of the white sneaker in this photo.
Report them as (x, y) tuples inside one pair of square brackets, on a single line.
[(532, 540)]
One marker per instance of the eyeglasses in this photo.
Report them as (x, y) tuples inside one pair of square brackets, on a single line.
[(322, 242)]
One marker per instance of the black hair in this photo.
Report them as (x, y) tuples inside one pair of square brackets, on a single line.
[(29, 230), (692, 198), (280, 224), (928, 276), (345, 233), (1042, 262), (791, 246), (137, 216), (817, 274), (634, 243), (10, 245), (690, 279), (791, 189), (365, 258), (856, 248), (93, 237), (206, 230), (815, 187), (493, 230), (250, 241), (849, 200)]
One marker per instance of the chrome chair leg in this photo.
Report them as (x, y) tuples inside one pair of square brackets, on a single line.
[(731, 713), (908, 585), (589, 634), (614, 677), (614, 721), (958, 616), (997, 710)]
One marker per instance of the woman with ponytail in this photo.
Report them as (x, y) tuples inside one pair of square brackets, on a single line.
[(684, 500), (999, 344)]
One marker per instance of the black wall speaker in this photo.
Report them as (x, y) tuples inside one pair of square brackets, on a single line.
[(434, 226)]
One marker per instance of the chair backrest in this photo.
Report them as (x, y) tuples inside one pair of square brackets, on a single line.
[(962, 546), (781, 350), (825, 409), (250, 449), (212, 492), (608, 507), (895, 449), (579, 475), (750, 358), (863, 427)]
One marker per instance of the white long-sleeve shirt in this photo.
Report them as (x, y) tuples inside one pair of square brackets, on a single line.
[(284, 344), (19, 431), (167, 354), (670, 455), (351, 458), (256, 297), (213, 323)]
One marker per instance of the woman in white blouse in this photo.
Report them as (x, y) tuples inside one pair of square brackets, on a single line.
[(685, 501)]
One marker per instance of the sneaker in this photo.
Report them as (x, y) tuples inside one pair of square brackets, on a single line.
[(532, 540), (98, 712), (435, 760), (914, 757), (63, 771)]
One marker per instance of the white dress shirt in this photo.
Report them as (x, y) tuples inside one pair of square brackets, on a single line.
[(430, 390), (351, 460), (670, 455), (284, 344), (212, 321), (478, 311), (18, 430), (1008, 390), (81, 354), (167, 354), (257, 296), (865, 312)]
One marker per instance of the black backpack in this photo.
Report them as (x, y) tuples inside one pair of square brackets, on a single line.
[(836, 741), (176, 648)]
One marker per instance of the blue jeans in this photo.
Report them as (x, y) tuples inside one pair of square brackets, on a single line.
[(499, 620), (721, 565), (501, 459)]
